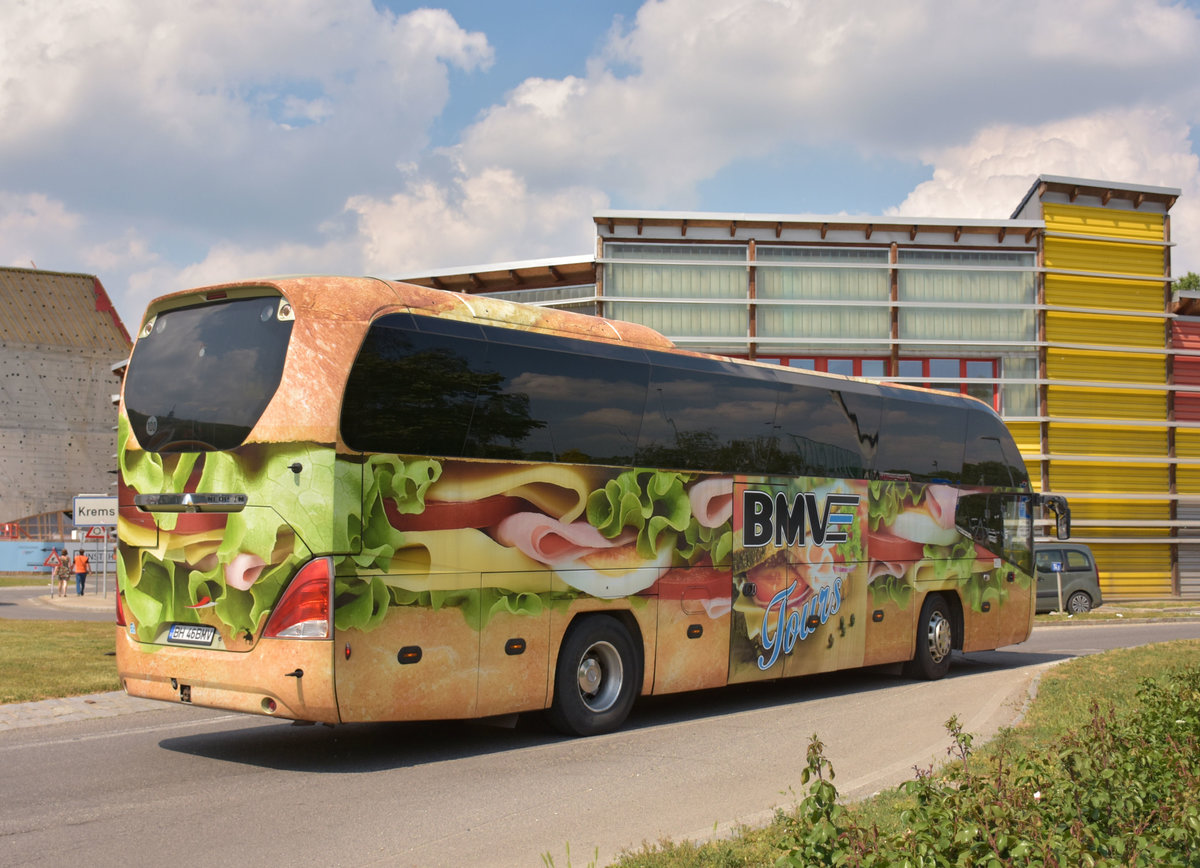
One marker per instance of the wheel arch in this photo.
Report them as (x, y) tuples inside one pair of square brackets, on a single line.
[(957, 620), (627, 620), (603, 655)]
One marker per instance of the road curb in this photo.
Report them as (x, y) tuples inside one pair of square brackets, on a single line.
[(1116, 622), (44, 712)]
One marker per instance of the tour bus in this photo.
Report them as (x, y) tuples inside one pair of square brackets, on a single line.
[(349, 499)]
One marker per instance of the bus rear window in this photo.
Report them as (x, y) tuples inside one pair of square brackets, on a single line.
[(202, 376)]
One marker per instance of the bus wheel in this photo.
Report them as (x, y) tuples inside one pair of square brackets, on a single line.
[(935, 639), (595, 679)]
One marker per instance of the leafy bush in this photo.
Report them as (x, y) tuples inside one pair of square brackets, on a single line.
[(1122, 790)]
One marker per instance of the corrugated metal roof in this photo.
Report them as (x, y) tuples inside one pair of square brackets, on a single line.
[(54, 309)]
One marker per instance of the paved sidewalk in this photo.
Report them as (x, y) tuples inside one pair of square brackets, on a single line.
[(17, 715), (89, 602)]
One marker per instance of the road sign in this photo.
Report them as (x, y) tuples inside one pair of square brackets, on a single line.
[(95, 509), (96, 532), (52, 560)]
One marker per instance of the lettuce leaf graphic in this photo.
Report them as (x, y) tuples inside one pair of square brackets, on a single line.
[(716, 542), (652, 502), (886, 500)]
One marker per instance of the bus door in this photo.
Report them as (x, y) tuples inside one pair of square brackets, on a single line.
[(998, 594), (800, 578)]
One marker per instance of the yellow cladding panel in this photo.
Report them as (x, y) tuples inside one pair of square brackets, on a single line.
[(1187, 479), (1106, 367), (1028, 436), (1068, 290), (1117, 511), (1187, 442), (1133, 570), (1101, 330), (1106, 440), (1107, 222), (1086, 403), (1034, 469), (1115, 478), (1106, 256)]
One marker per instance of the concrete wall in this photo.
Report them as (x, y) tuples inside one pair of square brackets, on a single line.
[(59, 340)]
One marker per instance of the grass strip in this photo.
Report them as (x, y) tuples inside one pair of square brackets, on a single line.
[(48, 659)]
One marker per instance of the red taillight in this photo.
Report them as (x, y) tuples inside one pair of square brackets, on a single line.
[(305, 609)]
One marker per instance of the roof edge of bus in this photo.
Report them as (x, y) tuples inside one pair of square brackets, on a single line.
[(438, 302), (532, 317)]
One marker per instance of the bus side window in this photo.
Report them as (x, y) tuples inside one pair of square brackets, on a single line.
[(823, 432), (552, 399), (987, 461), (698, 419), (922, 441), (411, 392)]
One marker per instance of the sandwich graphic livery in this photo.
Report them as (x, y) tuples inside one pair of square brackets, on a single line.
[(797, 566)]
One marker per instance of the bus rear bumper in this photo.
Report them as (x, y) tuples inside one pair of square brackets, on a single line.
[(288, 678)]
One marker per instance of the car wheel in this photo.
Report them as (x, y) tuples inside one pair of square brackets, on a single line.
[(1079, 603), (935, 640), (595, 680)]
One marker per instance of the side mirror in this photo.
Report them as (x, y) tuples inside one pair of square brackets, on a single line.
[(1057, 504)]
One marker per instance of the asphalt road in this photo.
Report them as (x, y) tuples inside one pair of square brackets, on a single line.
[(172, 783)]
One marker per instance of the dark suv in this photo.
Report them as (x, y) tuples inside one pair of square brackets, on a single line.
[(1080, 582)]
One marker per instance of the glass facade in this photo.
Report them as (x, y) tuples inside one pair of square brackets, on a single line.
[(694, 290), (983, 299), (810, 298), (960, 320)]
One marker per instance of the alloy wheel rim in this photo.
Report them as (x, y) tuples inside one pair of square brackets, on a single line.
[(939, 637), (600, 676)]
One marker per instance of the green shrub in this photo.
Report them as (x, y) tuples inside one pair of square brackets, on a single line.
[(1122, 790)]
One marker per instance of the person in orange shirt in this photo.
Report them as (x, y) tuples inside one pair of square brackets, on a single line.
[(81, 570)]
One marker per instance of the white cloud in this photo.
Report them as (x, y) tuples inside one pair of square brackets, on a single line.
[(467, 220), (176, 133), (27, 221), (489, 217), (240, 111), (988, 176), (695, 84)]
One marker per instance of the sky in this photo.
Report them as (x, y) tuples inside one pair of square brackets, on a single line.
[(161, 146)]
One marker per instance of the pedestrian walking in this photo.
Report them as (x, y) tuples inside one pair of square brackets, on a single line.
[(81, 568), (62, 570)]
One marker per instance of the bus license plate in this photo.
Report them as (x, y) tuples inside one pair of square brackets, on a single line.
[(191, 634)]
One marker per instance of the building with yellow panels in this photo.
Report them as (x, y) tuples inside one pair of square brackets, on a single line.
[(1060, 317)]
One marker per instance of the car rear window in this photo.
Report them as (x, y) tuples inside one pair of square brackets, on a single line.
[(1078, 560)]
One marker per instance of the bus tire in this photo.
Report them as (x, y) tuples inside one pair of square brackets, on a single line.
[(595, 679), (935, 640)]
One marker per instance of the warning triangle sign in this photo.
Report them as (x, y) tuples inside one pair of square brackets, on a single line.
[(52, 560)]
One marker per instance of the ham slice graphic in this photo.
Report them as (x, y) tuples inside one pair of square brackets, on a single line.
[(712, 501), (581, 555), (243, 571), (933, 521)]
